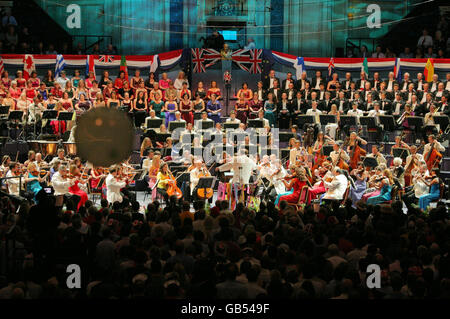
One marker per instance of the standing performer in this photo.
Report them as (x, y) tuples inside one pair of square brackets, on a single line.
[(113, 186)]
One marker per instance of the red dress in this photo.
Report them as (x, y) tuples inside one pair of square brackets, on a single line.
[(74, 189), (293, 198), (21, 83), (254, 108), (186, 115), (35, 82), (240, 113), (30, 93)]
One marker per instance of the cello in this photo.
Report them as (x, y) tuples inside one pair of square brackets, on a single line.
[(433, 157), (204, 193), (173, 189), (356, 153)]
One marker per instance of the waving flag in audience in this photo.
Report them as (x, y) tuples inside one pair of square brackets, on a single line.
[(365, 67), (330, 68), (397, 71), (28, 66), (248, 60), (428, 72), (90, 65), (60, 64), (123, 66)]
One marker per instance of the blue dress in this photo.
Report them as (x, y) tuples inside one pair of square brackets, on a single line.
[(214, 107), (282, 194), (385, 195), (357, 193), (425, 200), (269, 113), (170, 116), (33, 186)]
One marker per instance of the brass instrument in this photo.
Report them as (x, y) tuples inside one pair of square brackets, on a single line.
[(402, 117)]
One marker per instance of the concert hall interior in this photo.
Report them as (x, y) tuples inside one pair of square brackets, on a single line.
[(265, 158)]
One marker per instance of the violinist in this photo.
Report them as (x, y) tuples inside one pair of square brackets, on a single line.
[(61, 184), (152, 174), (399, 144), (323, 173), (163, 178), (113, 186), (360, 176), (434, 183), (419, 187), (338, 155), (13, 184), (61, 156), (33, 180), (76, 176), (432, 152), (398, 172), (412, 163), (97, 173), (31, 158), (296, 184)]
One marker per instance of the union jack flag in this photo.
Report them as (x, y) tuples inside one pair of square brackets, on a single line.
[(106, 58), (330, 68), (204, 58), (248, 60)]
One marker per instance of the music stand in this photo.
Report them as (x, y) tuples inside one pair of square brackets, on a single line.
[(206, 124), (255, 123), (285, 136), (162, 137), (153, 123), (228, 126), (325, 119), (205, 182), (370, 161), (347, 120), (416, 121), (368, 121), (65, 116), (388, 122), (442, 120), (49, 115), (400, 152), (305, 119), (327, 149), (4, 109), (176, 124), (15, 115)]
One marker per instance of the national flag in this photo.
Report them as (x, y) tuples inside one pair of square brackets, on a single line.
[(106, 58), (330, 68), (60, 64), (365, 67), (299, 67), (123, 66), (90, 65), (428, 72), (204, 58), (397, 71), (28, 66), (2, 67), (198, 61), (153, 63), (249, 60)]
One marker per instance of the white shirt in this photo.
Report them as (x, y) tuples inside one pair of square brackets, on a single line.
[(337, 187), (425, 40), (13, 184), (356, 112), (373, 113), (60, 185), (335, 156), (230, 120), (380, 158), (113, 187), (316, 113), (194, 178), (62, 81), (438, 146)]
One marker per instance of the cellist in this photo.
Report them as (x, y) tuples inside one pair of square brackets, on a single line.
[(354, 150), (432, 152), (339, 157)]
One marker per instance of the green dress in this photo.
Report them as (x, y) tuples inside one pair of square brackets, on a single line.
[(157, 107)]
